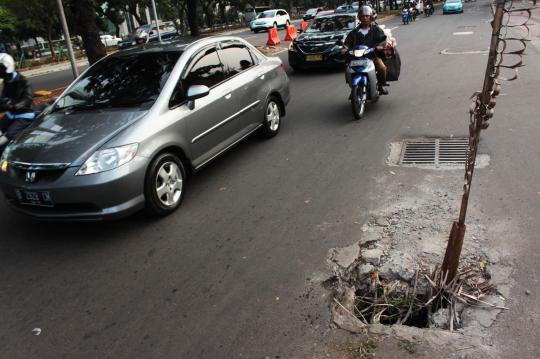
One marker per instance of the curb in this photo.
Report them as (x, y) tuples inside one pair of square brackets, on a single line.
[(42, 70)]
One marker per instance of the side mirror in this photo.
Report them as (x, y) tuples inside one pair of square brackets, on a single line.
[(195, 92)]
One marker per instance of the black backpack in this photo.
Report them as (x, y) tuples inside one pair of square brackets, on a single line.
[(393, 66)]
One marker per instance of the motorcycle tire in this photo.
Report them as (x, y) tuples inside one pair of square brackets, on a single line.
[(358, 101)]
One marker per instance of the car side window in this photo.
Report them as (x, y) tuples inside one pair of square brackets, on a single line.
[(207, 70), (236, 58)]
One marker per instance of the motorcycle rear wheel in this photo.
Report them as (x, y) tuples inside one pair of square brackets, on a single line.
[(358, 101)]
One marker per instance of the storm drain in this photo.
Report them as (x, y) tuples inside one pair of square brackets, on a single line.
[(434, 152)]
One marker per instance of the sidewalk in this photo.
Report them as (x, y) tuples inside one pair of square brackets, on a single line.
[(45, 69)]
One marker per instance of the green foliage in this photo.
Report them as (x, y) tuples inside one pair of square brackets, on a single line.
[(8, 22), (33, 17)]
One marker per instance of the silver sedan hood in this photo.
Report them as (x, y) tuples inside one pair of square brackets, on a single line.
[(70, 138)]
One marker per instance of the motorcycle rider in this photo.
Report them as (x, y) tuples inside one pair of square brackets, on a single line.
[(16, 101), (371, 35), (430, 3), (141, 38)]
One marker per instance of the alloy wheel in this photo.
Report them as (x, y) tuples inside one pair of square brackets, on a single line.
[(272, 116), (169, 184)]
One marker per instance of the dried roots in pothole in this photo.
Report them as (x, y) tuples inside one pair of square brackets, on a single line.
[(429, 300)]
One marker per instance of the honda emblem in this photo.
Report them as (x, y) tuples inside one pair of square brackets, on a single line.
[(30, 176)]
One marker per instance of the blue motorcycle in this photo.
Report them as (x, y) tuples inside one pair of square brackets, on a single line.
[(405, 17), (362, 78)]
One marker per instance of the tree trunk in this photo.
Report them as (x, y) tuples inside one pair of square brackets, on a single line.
[(192, 17), (49, 39), (209, 14), (86, 19), (140, 21)]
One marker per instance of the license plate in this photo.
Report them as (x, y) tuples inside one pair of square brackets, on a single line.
[(358, 62), (34, 198), (314, 58)]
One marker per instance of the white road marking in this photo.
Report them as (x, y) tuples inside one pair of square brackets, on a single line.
[(476, 52), (463, 33), (393, 28)]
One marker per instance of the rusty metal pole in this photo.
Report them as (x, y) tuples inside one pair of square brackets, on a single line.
[(482, 113)]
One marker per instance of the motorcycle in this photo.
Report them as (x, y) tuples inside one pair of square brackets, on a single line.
[(362, 79), (413, 11), (428, 10), (405, 16), (4, 140)]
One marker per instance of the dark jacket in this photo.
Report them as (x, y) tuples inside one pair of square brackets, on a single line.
[(19, 93), (374, 37)]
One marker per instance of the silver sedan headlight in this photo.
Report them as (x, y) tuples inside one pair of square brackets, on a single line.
[(108, 159)]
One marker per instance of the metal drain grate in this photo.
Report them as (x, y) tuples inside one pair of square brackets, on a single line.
[(435, 151)]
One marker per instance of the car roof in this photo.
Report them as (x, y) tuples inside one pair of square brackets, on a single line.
[(178, 45), (325, 13), (338, 14), (164, 46)]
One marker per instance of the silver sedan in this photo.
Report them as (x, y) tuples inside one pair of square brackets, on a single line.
[(130, 130)]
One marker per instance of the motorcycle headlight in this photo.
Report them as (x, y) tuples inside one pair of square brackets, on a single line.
[(108, 159)]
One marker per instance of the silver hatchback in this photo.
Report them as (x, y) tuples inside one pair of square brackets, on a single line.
[(127, 133)]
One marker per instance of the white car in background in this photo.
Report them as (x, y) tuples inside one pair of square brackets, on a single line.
[(270, 18), (109, 40)]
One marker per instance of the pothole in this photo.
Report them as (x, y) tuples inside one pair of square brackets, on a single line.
[(390, 279), (435, 153)]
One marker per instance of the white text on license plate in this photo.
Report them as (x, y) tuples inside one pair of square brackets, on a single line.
[(314, 58)]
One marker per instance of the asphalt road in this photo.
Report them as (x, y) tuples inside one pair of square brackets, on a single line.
[(237, 271)]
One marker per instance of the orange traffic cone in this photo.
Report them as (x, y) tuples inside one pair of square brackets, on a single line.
[(303, 26), (273, 38), (291, 33)]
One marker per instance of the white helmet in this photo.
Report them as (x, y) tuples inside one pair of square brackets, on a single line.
[(141, 36), (365, 10), (7, 62)]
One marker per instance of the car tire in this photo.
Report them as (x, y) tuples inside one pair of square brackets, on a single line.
[(164, 185), (272, 118)]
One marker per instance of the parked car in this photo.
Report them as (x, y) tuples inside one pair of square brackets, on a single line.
[(134, 126), (167, 31), (109, 40), (346, 9), (324, 13), (321, 43), (251, 13), (452, 6), (311, 13), (271, 18)]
